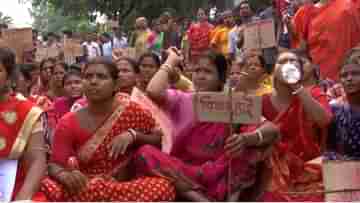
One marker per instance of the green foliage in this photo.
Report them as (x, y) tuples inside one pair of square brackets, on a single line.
[(72, 11), (7, 20), (48, 18)]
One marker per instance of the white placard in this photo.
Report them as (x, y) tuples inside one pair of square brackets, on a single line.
[(8, 169)]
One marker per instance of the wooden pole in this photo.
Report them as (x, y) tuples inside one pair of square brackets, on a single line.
[(231, 121)]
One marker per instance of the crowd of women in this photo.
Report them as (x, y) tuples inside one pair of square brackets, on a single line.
[(78, 135)]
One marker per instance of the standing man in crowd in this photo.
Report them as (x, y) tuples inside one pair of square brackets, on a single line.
[(91, 48), (142, 34), (245, 16)]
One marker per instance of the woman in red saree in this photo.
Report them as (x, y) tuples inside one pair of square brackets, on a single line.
[(128, 74), (21, 135), (199, 36), (73, 90), (41, 85), (302, 114), (23, 82), (197, 160), (49, 87), (93, 147)]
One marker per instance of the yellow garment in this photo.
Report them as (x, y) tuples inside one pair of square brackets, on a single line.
[(140, 42), (266, 87), (220, 40), (184, 84)]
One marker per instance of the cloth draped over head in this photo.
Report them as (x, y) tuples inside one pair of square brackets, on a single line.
[(333, 30)]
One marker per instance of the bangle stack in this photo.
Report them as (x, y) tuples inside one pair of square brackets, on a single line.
[(59, 172), (133, 134), (166, 67), (298, 90), (260, 137)]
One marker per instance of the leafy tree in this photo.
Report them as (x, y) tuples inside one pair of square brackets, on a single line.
[(127, 10), (48, 18), (4, 19)]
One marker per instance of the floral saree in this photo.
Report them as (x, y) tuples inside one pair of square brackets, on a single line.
[(19, 120)]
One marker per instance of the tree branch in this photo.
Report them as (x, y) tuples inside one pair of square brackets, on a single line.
[(127, 12)]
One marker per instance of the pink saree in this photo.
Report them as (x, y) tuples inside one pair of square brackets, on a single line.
[(198, 154)]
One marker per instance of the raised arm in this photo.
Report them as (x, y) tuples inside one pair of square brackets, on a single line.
[(315, 109), (166, 75)]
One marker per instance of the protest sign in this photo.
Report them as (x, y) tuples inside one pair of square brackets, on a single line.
[(341, 180), (19, 40), (46, 52), (8, 170), (259, 34), (41, 53), (216, 107), (72, 49)]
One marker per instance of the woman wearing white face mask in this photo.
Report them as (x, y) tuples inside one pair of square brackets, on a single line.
[(301, 112)]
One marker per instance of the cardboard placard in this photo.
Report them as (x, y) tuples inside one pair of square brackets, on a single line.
[(159, 115), (260, 34), (8, 169), (46, 52), (342, 175), (41, 54), (19, 40), (215, 107), (72, 49)]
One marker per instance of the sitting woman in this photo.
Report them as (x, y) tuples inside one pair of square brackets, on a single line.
[(149, 64), (302, 115), (22, 136), (343, 141), (93, 147), (197, 161), (73, 90), (336, 90), (23, 80), (251, 75), (56, 86), (128, 74)]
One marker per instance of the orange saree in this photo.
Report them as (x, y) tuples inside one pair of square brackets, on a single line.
[(332, 32), (18, 116), (300, 24), (92, 152)]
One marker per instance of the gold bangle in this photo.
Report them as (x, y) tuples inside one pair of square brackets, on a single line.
[(133, 134), (260, 137), (298, 90)]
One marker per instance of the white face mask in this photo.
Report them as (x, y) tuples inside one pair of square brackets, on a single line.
[(290, 73)]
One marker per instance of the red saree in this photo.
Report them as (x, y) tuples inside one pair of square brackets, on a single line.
[(300, 143), (58, 109), (301, 22), (18, 117), (41, 101), (333, 31), (93, 154), (199, 39)]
